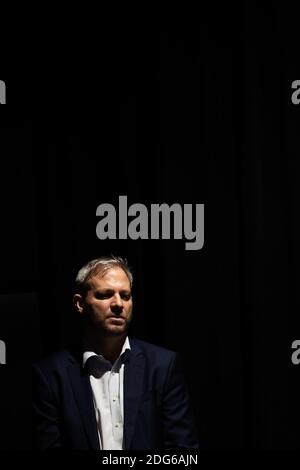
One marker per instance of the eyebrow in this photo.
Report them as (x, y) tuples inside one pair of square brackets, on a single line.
[(107, 290), (110, 291)]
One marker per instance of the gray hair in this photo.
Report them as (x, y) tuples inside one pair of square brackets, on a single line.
[(100, 266)]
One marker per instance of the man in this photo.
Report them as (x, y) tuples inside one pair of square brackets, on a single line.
[(119, 393)]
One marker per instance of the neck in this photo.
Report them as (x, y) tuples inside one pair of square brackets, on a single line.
[(108, 346)]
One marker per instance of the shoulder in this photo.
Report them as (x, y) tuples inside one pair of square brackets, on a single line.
[(56, 361), (162, 363), (156, 353)]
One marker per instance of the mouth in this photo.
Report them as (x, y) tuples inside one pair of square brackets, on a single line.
[(117, 320)]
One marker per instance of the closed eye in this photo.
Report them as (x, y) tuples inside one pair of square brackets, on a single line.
[(108, 294), (103, 295), (126, 295)]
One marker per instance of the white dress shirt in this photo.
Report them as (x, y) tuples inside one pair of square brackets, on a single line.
[(109, 399)]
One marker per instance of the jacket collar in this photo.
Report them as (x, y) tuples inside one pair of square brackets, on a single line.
[(84, 399), (133, 382)]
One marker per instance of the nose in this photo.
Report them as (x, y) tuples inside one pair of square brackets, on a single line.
[(117, 304), (117, 300)]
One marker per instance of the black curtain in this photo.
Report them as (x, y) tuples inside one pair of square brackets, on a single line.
[(188, 116)]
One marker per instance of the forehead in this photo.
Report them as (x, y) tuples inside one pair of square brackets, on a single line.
[(112, 278)]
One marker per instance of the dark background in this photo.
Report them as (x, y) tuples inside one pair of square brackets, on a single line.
[(201, 114)]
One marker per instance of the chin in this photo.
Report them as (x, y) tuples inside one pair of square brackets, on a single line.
[(116, 331)]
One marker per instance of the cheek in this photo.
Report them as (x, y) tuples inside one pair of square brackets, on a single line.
[(99, 308), (129, 307)]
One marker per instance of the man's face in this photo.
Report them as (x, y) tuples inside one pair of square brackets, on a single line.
[(108, 302)]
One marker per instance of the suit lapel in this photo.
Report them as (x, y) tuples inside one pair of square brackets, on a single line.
[(84, 399), (133, 382)]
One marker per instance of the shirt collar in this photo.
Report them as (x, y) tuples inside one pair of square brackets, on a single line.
[(88, 353)]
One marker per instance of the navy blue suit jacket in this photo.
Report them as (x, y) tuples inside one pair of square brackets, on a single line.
[(156, 405)]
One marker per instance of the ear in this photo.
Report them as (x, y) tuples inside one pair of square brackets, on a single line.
[(78, 302)]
